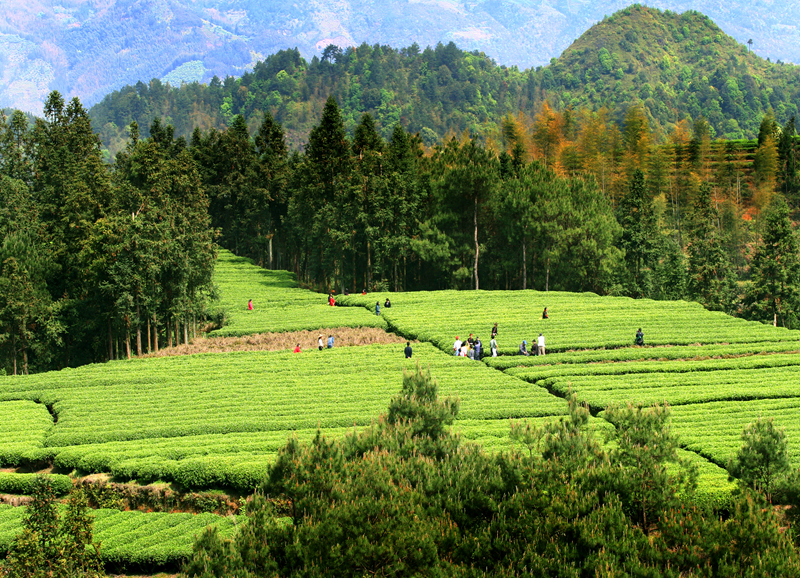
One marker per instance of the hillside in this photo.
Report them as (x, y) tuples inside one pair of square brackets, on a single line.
[(87, 48), (677, 65)]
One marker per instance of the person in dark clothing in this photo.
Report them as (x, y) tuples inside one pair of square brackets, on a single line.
[(387, 303), (544, 314), (408, 351), (471, 339), (478, 348), (523, 348), (494, 331), (639, 337)]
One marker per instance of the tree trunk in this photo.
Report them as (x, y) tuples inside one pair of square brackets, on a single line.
[(186, 332), (524, 263), (270, 251), (369, 264), (128, 342), (110, 342), (168, 331), (177, 332), (547, 276), (149, 338), (155, 333), (477, 247), (24, 349), (14, 352), (138, 333)]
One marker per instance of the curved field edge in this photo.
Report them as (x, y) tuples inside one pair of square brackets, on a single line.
[(217, 419), (279, 304), (134, 539)]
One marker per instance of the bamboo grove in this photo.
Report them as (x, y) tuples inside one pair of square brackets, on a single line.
[(101, 261)]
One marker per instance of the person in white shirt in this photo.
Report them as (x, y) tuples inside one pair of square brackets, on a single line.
[(541, 344), (493, 346), (457, 347)]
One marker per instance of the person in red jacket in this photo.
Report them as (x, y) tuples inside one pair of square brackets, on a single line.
[(297, 349)]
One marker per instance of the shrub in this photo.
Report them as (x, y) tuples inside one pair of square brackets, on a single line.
[(26, 484)]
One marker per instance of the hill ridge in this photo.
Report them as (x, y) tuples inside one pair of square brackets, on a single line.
[(674, 66), (88, 49)]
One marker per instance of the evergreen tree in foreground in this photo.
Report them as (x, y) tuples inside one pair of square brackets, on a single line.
[(405, 497), (763, 457), (54, 546)]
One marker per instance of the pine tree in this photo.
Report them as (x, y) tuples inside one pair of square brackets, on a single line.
[(639, 236), (774, 293), (50, 545), (763, 457), (711, 278)]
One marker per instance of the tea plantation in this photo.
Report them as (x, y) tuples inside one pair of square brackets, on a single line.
[(278, 303), (218, 419), (718, 373)]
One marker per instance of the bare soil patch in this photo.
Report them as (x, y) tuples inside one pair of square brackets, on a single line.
[(343, 337)]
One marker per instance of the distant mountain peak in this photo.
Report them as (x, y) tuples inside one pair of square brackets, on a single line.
[(89, 49)]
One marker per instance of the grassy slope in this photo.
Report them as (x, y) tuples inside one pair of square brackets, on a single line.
[(278, 303)]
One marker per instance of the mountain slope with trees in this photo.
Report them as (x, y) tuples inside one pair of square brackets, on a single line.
[(675, 66), (100, 260), (87, 48)]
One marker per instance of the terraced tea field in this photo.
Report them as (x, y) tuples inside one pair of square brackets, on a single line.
[(218, 419), (134, 538), (279, 304), (719, 373), (576, 320)]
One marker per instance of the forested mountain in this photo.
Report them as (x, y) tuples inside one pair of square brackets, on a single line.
[(87, 48), (677, 66)]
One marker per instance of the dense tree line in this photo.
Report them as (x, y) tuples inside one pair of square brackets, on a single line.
[(101, 261), (563, 204), (96, 263), (365, 213), (405, 497), (673, 66)]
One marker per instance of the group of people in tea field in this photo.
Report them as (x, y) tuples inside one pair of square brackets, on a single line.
[(471, 348)]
